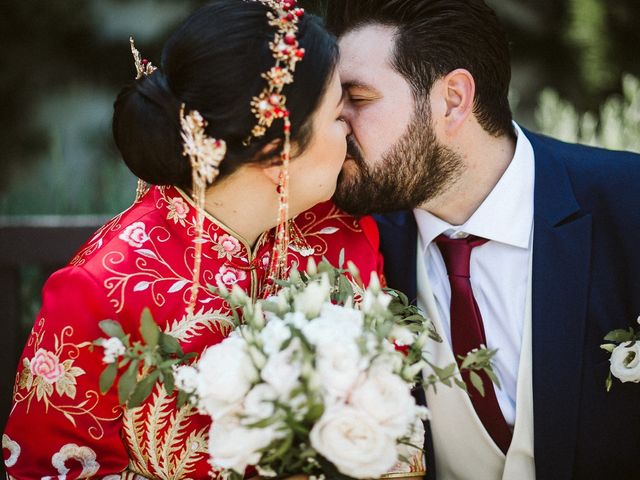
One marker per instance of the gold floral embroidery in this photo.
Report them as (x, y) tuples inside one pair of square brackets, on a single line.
[(191, 326), (97, 240), (161, 442), (49, 380), (311, 226)]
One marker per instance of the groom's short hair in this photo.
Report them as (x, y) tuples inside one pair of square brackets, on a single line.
[(436, 37)]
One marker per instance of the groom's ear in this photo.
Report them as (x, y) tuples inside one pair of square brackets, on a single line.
[(458, 89)]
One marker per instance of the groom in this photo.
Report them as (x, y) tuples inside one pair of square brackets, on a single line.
[(504, 237)]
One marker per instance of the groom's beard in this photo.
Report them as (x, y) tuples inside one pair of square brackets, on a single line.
[(414, 171)]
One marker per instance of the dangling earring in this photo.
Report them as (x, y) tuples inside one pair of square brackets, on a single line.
[(278, 266), (205, 154)]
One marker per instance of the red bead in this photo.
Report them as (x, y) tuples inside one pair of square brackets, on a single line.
[(290, 39), (299, 12), (288, 4), (300, 53), (145, 62)]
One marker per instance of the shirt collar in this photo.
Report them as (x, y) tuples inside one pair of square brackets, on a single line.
[(506, 215)]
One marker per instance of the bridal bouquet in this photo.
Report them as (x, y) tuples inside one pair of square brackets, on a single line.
[(315, 380)]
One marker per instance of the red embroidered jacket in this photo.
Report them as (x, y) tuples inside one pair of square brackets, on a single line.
[(60, 425)]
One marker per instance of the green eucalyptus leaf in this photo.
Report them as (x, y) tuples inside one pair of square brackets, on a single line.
[(149, 329), (183, 398), (112, 328), (609, 382), (127, 382), (107, 377), (608, 347), (460, 384), (169, 382), (143, 389), (170, 345), (314, 413), (477, 382), (620, 336)]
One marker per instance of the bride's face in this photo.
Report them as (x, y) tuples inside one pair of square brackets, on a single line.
[(314, 173)]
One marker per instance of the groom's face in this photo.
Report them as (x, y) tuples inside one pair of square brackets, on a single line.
[(394, 160)]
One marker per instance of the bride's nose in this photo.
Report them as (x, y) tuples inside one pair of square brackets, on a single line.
[(347, 127)]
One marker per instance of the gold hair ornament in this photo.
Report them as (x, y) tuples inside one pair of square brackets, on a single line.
[(143, 68), (270, 105), (205, 155)]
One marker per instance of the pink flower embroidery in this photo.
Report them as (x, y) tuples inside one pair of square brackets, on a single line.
[(46, 365), (230, 276), (178, 210), (227, 246), (135, 234)]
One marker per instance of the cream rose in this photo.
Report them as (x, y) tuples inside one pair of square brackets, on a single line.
[(234, 447), (47, 365), (625, 362), (386, 399), (226, 374), (339, 365), (283, 369), (353, 442)]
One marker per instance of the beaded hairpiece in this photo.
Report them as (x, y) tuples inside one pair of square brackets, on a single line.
[(271, 104), (206, 154)]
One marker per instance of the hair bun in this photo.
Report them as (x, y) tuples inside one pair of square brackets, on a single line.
[(146, 128)]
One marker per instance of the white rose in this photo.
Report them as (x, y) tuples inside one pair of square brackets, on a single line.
[(259, 403), (186, 378), (113, 349), (283, 369), (625, 362), (311, 299), (335, 323), (353, 442), (339, 365), (226, 373), (234, 447), (273, 335), (387, 399)]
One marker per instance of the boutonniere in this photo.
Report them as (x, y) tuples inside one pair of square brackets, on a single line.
[(624, 348)]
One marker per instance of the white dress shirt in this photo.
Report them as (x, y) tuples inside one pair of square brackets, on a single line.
[(499, 268)]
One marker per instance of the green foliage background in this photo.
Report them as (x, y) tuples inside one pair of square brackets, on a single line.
[(63, 63)]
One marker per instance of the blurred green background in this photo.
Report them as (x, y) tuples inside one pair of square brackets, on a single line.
[(64, 62)]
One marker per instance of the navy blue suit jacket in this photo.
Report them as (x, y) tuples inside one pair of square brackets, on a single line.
[(586, 282)]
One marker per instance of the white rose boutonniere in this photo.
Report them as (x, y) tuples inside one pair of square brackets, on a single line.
[(625, 355)]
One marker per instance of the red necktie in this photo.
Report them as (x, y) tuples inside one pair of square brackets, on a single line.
[(467, 332)]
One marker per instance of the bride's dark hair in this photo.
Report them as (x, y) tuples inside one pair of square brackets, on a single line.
[(213, 63)]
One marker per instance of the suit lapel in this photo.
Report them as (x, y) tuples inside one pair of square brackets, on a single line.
[(398, 244), (561, 268)]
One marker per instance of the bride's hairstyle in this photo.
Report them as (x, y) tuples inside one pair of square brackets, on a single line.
[(213, 63)]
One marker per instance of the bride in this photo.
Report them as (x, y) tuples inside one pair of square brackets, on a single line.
[(237, 132)]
